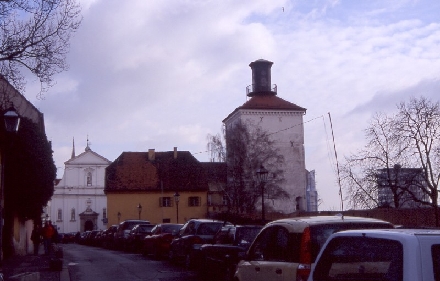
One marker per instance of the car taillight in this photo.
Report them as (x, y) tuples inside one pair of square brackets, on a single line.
[(303, 272), (197, 240), (305, 257)]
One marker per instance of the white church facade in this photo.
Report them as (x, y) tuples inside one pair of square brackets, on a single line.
[(283, 120), (79, 202)]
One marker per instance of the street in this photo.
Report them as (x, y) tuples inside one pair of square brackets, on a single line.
[(87, 263)]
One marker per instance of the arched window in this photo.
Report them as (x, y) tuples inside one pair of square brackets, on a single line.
[(72, 214), (89, 178)]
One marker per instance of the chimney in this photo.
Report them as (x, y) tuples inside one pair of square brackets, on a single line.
[(175, 152), (151, 155)]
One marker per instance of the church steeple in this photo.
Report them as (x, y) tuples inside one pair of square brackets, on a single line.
[(88, 144), (73, 149)]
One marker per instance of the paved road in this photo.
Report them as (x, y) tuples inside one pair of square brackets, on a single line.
[(95, 264)]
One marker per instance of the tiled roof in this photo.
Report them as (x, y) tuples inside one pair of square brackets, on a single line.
[(134, 172), (268, 102)]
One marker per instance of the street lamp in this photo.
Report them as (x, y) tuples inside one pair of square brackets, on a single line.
[(262, 178), (176, 199), (139, 207), (12, 121), (119, 216)]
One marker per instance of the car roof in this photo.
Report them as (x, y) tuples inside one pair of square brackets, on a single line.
[(300, 223), (390, 232)]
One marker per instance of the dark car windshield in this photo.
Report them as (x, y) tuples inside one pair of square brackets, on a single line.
[(171, 228), (360, 258), (209, 228), (245, 235)]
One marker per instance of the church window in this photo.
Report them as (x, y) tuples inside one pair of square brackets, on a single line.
[(89, 179), (72, 214), (60, 215)]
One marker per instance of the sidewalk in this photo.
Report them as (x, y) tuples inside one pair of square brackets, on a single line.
[(32, 264)]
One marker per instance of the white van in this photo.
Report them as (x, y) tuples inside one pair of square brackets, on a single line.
[(391, 255)]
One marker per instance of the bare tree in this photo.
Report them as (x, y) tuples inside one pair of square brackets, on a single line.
[(35, 37), (245, 147), (360, 170), (402, 154), (418, 127)]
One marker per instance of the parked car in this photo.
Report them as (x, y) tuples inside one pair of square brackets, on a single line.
[(286, 249), (158, 243), (123, 230), (392, 255), (68, 237), (83, 237), (108, 236), (193, 234), (136, 236), (220, 259)]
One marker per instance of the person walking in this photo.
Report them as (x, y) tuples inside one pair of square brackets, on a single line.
[(48, 232), (36, 238)]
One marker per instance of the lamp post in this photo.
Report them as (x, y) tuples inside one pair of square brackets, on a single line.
[(176, 199), (12, 121), (139, 207), (262, 178), (119, 217)]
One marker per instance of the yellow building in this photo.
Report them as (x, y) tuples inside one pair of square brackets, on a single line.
[(144, 184)]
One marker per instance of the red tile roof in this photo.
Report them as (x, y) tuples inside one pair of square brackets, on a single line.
[(134, 172), (268, 102)]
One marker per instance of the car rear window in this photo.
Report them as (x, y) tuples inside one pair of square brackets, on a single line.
[(209, 228), (360, 258), (320, 233)]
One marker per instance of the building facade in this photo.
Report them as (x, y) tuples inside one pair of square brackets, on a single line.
[(399, 187), (79, 202), (151, 180), (283, 120)]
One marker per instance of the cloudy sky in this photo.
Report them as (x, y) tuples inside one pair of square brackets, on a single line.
[(165, 73)]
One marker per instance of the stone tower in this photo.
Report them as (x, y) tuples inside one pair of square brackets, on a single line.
[(284, 121)]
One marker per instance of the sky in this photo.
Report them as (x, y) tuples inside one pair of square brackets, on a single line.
[(160, 74)]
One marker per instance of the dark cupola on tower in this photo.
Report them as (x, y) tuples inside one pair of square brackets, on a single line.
[(261, 79)]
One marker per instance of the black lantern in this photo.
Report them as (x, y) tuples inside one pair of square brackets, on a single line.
[(176, 199), (139, 207), (262, 174), (12, 120)]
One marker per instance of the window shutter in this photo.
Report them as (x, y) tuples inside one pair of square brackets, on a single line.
[(160, 202), (199, 201)]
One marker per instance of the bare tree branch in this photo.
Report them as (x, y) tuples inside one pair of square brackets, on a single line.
[(35, 37)]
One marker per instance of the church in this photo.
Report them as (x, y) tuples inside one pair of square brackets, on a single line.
[(79, 202)]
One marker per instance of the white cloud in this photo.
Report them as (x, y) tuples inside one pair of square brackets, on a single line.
[(159, 74)]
